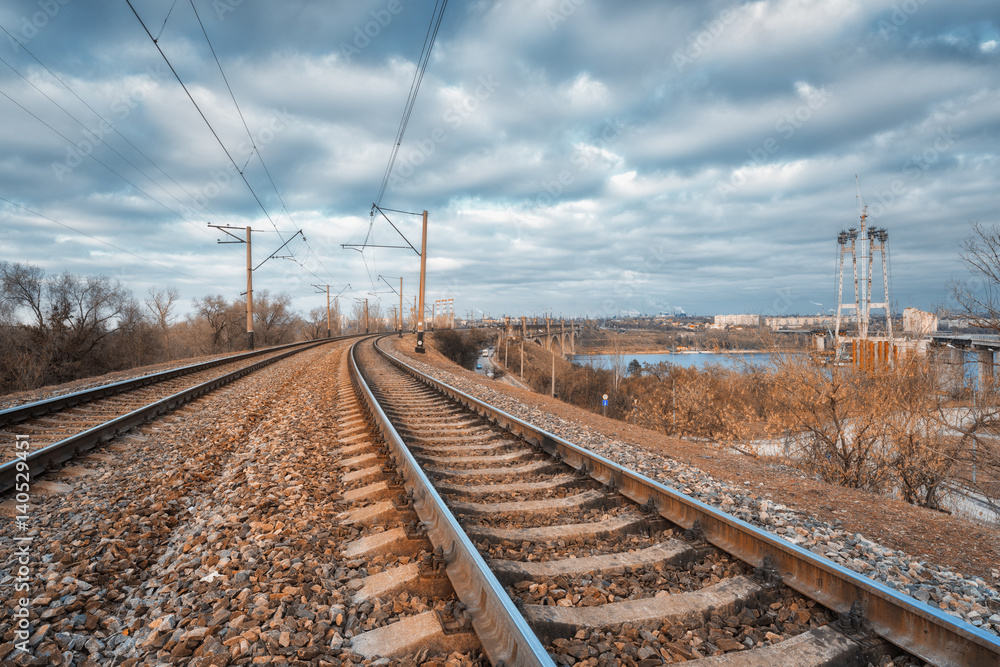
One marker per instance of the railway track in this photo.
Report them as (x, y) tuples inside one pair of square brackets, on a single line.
[(559, 556), (55, 430)]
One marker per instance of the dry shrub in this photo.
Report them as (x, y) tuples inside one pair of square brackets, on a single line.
[(885, 431)]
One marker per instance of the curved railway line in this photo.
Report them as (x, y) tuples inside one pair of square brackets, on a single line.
[(344, 509), (560, 556), (64, 426)]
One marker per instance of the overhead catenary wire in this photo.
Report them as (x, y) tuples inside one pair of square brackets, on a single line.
[(202, 114), (108, 126), (239, 111), (418, 76), (98, 138), (91, 155), (167, 18), (111, 245), (253, 143), (116, 131)]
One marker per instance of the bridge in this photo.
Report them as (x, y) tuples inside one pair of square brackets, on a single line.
[(968, 341), (548, 335), (950, 349)]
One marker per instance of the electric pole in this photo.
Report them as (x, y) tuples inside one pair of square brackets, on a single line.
[(319, 288), (553, 373), (250, 269), (419, 318), (225, 229), (423, 282), (249, 294)]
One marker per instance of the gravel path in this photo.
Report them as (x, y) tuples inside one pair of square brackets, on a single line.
[(972, 599)]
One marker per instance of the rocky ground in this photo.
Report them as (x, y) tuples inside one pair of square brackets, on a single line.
[(51, 391), (210, 537), (947, 563), (213, 536)]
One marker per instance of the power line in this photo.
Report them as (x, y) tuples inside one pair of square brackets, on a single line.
[(253, 143), (111, 245), (202, 114), (92, 156), (113, 128), (96, 137), (418, 77), (240, 112)]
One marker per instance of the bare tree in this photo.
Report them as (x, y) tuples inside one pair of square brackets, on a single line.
[(274, 321), (981, 255), (376, 321), (83, 313), (213, 310), (160, 303), (24, 287), (358, 313), (314, 327)]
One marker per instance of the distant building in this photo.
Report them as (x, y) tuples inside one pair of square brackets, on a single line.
[(919, 322), (722, 321), (796, 322)]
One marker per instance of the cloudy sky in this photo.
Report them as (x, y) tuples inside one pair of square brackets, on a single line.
[(583, 156)]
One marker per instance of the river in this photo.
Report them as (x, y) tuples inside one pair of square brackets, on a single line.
[(684, 359)]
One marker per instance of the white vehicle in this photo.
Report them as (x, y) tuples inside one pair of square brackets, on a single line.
[(486, 353)]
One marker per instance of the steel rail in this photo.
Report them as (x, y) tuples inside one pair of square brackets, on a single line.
[(929, 633), (505, 635), (20, 413), (37, 462)]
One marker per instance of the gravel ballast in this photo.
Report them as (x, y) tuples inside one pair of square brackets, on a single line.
[(209, 537), (969, 598)]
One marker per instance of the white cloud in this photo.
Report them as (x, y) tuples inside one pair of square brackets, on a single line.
[(585, 93), (588, 155)]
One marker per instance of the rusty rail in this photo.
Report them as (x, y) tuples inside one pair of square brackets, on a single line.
[(26, 411), (936, 637), (40, 460), (505, 635)]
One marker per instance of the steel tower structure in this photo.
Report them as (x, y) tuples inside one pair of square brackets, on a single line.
[(862, 245)]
